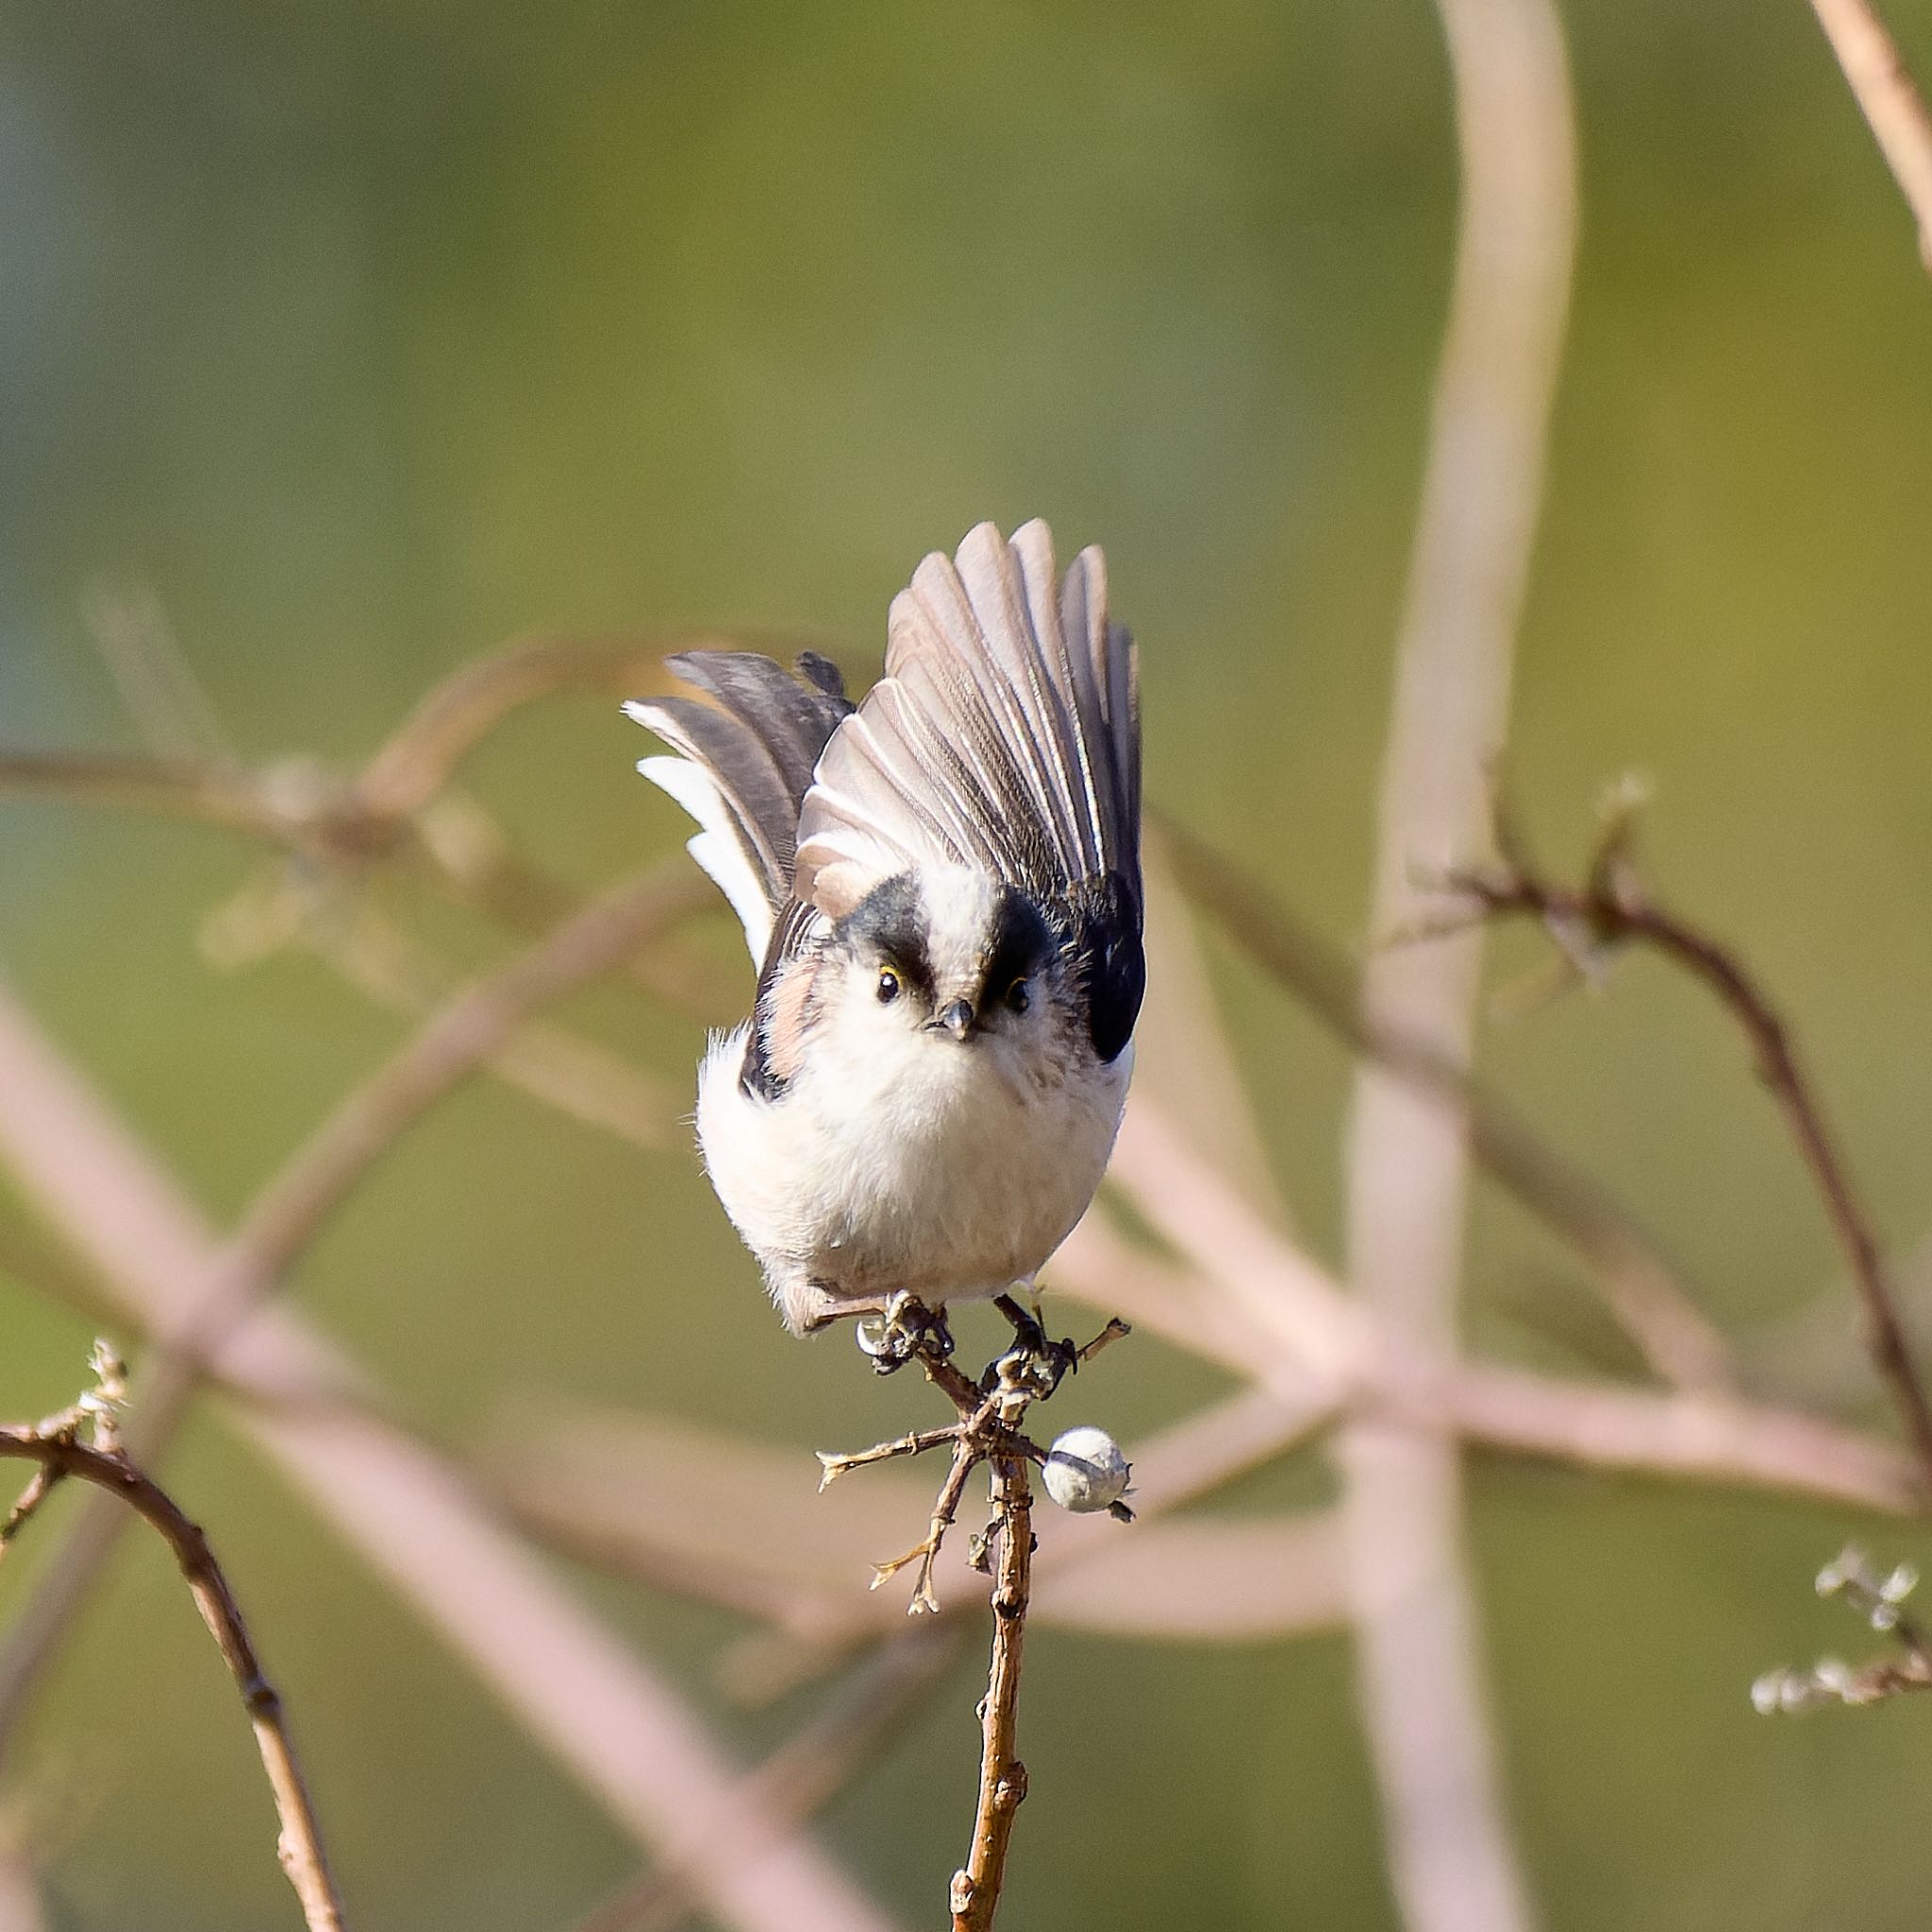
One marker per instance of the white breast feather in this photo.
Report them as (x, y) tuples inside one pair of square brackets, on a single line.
[(907, 1162)]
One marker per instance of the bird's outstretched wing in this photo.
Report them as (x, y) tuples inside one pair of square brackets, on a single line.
[(744, 767), (1005, 735)]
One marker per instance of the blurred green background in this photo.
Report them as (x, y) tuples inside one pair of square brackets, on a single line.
[(368, 335)]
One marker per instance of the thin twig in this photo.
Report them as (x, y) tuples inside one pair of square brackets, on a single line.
[(1642, 1288), (805, 1773), (20, 1891), (290, 1211), (1880, 1600), (1892, 106), (1453, 1864), (422, 753), (975, 1893), (1611, 909), (59, 1456), (40, 1485), (293, 805), (988, 1431), (586, 1698)]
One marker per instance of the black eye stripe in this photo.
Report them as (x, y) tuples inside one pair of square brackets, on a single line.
[(1019, 944), (888, 927)]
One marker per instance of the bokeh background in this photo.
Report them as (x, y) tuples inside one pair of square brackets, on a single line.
[(363, 338)]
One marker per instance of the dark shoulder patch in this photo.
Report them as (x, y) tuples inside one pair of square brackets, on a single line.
[(1106, 917), (890, 921), (798, 930)]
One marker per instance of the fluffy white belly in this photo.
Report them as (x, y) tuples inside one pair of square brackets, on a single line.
[(943, 1167)]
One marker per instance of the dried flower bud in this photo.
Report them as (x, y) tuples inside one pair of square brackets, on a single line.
[(1086, 1472), (1844, 1567), (1832, 1674)]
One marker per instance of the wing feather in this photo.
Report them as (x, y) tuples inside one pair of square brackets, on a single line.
[(744, 764), (1006, 733), (1005, 736)]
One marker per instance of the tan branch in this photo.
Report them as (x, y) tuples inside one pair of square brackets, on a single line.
[(1642, 1288), (59, 1455), (1611, 909), (290, 805), (1419, 1674), (805, 1773), (975, 1894), (291, 1210), (422, 753), (586, 1698), (1891, 104)]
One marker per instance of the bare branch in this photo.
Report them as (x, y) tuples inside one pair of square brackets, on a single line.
[(1709, 1439), (291, 1210), (291, 805), (1453, 1864), (58, 1455), (424, 752), (1642, 1288), (1611, 909), (989, 1412), (1892, 106), (1712, 1436), (805, 1772), (587, 1699), (975, 1893)]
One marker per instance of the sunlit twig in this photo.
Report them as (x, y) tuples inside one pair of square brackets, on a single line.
[(1611, 909), (290, 1211), (586, 1698), (1891, 102), (60, 1453)]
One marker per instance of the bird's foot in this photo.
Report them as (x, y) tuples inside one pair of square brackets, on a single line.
[(1036, 1364), (902, 1331)]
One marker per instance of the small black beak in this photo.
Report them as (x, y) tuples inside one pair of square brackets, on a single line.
[(956, 1017)]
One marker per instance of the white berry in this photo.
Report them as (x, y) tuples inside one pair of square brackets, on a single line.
[(1084, 1471)]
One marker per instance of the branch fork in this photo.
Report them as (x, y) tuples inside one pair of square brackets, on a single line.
[(990, 1414), (1880, 1600), (987, 1429), (82, 1442), (1612, 909)]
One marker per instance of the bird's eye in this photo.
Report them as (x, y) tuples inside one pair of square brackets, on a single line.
[(887, 987), (1020, 995)]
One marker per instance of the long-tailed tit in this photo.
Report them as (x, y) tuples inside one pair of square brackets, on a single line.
[(941, 890)]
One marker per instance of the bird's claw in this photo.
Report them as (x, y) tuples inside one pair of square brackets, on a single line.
[(1036, 1365), (905, 1331)]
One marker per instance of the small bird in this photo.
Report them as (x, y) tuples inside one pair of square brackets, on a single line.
[(940, 888)]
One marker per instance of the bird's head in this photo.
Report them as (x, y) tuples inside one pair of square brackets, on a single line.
[(952, 954)]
